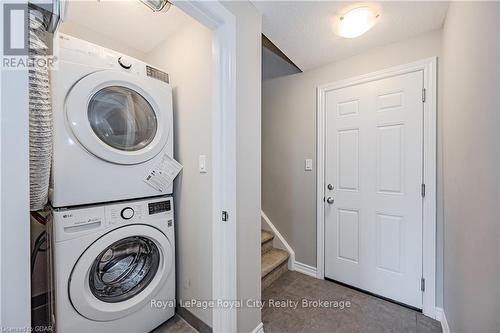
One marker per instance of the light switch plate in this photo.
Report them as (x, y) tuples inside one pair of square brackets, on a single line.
[(308, 164), (202, 163)]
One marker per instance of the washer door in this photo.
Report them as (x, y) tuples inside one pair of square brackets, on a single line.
[(115, 119), (120, 272)]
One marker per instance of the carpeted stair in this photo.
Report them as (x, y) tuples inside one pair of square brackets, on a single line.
[(274, 262)]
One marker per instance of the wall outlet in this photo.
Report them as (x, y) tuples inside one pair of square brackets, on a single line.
[(308, 165)]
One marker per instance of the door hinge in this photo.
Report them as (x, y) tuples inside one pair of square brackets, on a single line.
[(423, 95), (422, 284), (225, 216), (422, 191)]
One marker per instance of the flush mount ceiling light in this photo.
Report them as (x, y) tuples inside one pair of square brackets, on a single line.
[(356, 21), (157, 5)]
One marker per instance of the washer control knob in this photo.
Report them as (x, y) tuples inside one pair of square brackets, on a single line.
[(127, 213)]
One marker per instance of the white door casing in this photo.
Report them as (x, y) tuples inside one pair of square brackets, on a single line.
[(373, 229), (388, 131), (224, 233)]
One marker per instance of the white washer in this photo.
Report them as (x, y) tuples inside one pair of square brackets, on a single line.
[(113, 266), (112, 124)]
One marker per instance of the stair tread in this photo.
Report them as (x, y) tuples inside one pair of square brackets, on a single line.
[(272, 259), (265, 236)]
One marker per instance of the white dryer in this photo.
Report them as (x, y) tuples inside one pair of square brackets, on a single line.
[(112, 124), (113, 266)]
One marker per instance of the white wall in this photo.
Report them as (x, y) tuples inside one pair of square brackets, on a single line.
[(248, 106), (187, 58), (289, 137), (471, 88)]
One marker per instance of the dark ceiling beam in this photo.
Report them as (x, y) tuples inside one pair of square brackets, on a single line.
[(266, 42)]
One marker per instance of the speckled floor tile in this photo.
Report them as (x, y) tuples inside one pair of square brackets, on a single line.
[(365, 313), (174, 325)]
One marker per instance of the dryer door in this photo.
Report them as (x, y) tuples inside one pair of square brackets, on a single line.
[(119, 117), (120, 272)]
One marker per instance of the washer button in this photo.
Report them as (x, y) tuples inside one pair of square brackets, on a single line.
[(127, 213)]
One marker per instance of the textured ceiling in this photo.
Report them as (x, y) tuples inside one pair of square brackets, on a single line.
[(303, 29)]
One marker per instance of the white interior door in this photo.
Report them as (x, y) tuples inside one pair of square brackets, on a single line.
[(374, 164)]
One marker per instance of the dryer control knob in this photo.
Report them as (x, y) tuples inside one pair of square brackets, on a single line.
[(124, 62), (127, 213)]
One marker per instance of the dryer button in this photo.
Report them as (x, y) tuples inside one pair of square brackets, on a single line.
[(127, 213)]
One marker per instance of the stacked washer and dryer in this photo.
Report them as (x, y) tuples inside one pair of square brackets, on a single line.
[(112, 232)]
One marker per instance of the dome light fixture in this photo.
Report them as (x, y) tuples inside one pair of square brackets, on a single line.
[(157, 5), (356, 21)]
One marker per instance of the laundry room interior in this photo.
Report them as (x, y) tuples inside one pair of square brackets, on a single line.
[(179, 48), (249, 166)]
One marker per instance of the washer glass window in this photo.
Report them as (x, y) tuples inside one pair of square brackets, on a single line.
[(122, 118), (124, 269)]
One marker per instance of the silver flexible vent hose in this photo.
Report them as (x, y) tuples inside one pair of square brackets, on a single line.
[(40, 113)]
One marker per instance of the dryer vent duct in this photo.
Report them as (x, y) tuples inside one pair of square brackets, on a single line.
[(40, 108)]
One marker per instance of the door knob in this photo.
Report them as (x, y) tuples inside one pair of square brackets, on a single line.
[(330, 200)]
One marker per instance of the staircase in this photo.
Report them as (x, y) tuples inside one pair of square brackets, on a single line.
[(274, 262)]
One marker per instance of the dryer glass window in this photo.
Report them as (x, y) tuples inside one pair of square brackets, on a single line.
[(124, 269), (122, 118)]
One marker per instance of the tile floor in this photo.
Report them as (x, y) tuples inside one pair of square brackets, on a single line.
[(174, 325), (365, 314)]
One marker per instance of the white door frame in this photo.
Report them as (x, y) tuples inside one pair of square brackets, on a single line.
[(224, 274), (15, 277), (428, 66), (15, 234)]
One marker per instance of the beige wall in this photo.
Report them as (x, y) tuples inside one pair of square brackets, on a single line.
[(471, 167), (289, 137), (248, 106), (76, 30), (187, 58)]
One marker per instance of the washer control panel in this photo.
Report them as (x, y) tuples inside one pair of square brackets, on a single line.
[(127, 213), (159, 207), (76, 222)]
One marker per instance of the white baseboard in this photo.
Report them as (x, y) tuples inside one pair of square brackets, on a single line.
[(259, 328), (441, 317), (305, 269), (279, 241)]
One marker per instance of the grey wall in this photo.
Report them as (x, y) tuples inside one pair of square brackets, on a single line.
[(187, 57), (274, 66), (248, 108), (289, 137), (471, 167)]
